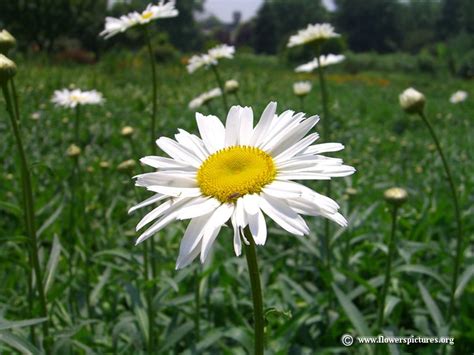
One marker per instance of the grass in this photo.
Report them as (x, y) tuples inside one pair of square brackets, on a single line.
[(308, 307)]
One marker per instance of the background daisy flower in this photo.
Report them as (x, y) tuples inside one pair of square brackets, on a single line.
[(237, 172), (312, 33), (72, 98), (325, 60)]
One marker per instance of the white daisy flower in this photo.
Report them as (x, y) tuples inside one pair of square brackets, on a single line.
[(412, 101), (458, 96), (204, 98), (325, 60), (152, 12), (239, 173), (72, 98), (198, 61), (302, 88), (316, 32), (210, 58)]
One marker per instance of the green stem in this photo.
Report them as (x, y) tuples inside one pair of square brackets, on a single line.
[(28, 203), (221, 86), (151, 241), (457, 210), (388, 269), (252, 264), (301, 103), (76, 125), (197, 297), (15, 100), (237, 96), (148, 296)]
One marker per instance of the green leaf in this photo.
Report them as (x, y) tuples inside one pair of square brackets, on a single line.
[(421, 270), (6, 325), (10, 208), (463, 281), (433, 309), (352, 312), (177, 334), (18, 343), (50, 220), (94, 296), (52, 263)]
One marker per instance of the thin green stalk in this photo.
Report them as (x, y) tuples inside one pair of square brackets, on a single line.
[(221, 86), (457, 210), (197, 301), (259, 322), (15, 100), (76, 125), (28, 203), (388, 269), (301, 103), (151, 255), (237, 96), (327, 136)]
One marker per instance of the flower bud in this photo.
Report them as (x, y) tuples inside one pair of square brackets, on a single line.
[(7, 69), (127, 131), (396, 196), (302, 88), (73, 151), (126, 165), (412, 101), (104, 164), (231, 86), (7, 41)]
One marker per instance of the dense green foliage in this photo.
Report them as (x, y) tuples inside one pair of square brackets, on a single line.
[(309, 306)]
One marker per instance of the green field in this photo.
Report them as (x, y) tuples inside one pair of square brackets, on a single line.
[(94, 273)]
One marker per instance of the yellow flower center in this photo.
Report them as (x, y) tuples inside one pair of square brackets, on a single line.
[(75, 98), (235, 171), (147, 15)]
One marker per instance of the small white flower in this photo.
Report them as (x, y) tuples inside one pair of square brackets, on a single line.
[(152, 12), (231, 86), (210, 58), (412, 101), (72, 98), (239, 173), (36, 115), (302, 88), (458, 96), (316, 32), (325, 60), (204, 98)]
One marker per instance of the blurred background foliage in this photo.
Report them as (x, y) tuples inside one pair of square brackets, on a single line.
[(439, 32)]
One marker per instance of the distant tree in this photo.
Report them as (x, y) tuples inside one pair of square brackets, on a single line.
[(278, 19), (456, 16), (43, 22), (370, 24)]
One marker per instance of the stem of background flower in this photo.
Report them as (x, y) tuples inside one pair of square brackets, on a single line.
[(327, 136), (197, 301), (28, 202), (151, 241), (301, 103), (388, 269), (221, 86), (457, 210), (259, 323), (15, 100), (76, 126), (237, 96)]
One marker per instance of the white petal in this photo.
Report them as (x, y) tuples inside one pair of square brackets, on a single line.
[(212, 132), (192, 238), (176, 191), (193, 143), (200, 206), (178, 152), (237, 241), (212, 228), (154, 214), (264, 123), (258, 227), (148, 201), (283, 215), (324, 148), (296, 148), (188, 258), (232, 126), (246, 126), (165, 163), (171, 179)]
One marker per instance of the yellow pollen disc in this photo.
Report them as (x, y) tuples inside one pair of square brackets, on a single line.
[(235, 171), (147, 14)]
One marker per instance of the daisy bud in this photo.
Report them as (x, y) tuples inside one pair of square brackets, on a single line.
[(7, 69), (396, 196), (73, 151), (127, 131), (127, 165), (231, 86), (412, 101), (302, 88), (7, 41), (104, 165), (350, 191)]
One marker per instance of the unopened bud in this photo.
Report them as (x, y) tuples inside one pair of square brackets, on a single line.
[(126, 165), (231, 86), (127, 131), (396, 196), (73, 151), (7, 69), (104, 165), (7, 41), (412, 101)]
